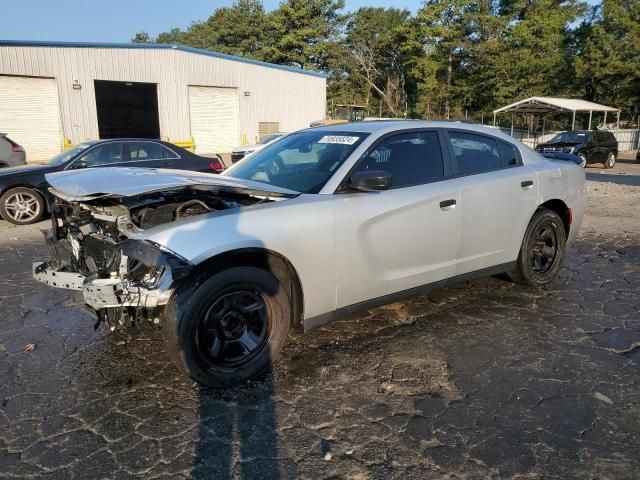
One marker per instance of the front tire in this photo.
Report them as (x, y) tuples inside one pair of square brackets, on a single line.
[(583, 160), (22, 206), (610, 161), (230, 328), (542, 250)]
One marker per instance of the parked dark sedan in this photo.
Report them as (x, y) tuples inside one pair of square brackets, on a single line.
[(596, 146), (24, 192)]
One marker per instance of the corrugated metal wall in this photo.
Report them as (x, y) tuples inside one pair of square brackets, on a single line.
[(275, 95)]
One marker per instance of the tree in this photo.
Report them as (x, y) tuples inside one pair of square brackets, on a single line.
[(142, 37), (300, 32), (375, 38), (236, 30), (608, 62)]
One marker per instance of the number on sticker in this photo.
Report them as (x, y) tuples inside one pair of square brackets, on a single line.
[(341, 139)]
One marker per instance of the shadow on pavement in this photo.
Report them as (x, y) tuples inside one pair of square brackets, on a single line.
[(614, 178), (238, 438)]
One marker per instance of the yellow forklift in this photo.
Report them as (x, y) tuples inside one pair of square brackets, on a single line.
[(343, 114)]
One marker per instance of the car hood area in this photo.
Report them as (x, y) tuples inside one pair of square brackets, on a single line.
[(113, 182)]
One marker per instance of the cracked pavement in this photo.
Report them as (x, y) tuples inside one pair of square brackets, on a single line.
[(489, 379)]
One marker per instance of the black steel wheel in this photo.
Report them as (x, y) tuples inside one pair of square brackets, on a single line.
[(227, 328), (542, 250), (234, 329)]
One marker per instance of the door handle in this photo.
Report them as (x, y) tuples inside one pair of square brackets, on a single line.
[(447, 204), (167, 164), (527, 184)]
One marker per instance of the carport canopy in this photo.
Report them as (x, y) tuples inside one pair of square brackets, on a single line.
[(546, 105)]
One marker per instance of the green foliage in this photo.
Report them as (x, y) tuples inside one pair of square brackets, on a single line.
[(608, 62), (452, 59)]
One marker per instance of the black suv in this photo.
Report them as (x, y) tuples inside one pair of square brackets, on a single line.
[(597, 146)]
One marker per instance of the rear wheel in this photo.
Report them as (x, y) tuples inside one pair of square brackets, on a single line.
[(230, 328), (542, 250), (610, 161), (21, 206)]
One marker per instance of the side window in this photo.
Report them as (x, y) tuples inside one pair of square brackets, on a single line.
[(143, 151), (475, 153), (103, 155), (168, 154), (410, 158), (508, 153)]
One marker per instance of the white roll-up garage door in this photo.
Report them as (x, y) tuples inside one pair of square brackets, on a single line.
[(30, 115), (215, 119)]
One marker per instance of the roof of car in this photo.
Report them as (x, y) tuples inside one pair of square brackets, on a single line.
[(388, 126)]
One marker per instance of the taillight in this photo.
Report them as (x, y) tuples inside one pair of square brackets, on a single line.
[(16, 148), (216, 166)]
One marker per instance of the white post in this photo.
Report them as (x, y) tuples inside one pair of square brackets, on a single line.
[(512, 124), (573, 122), (590, 115), (494, 119), (618, 121), (605, 119)]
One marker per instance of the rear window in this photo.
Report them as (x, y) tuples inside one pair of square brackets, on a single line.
[(475, 153), (508, 154)]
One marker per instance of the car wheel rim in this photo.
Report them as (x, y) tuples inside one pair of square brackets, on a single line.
[(544, 249), (612, 160), (22, 207), (583, 161), (234, 329)]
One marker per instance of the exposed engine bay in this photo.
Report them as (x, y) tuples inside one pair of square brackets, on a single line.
[(93, 249)]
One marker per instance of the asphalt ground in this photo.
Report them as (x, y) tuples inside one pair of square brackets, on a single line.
[(486, 380)]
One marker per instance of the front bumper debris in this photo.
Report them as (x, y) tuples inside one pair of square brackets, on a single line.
[(102, 293)]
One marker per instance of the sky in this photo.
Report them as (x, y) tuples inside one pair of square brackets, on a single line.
[(119, 20)]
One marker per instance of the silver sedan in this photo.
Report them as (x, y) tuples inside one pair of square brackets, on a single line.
[(322, 223)]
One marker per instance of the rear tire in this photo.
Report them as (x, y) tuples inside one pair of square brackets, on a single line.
[(610, 161), (542, 250), (22, 206), (230, 328)]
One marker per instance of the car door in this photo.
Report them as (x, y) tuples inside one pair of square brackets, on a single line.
[(594, 148), (143, 154), (394, 240), (106, 154), (498, 197)]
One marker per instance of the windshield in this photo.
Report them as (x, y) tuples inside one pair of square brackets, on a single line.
[(302, 161), (269, 138), (67, 155), (570, 137)]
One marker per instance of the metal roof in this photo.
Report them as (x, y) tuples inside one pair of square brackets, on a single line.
[(157, 46), (552, 104)]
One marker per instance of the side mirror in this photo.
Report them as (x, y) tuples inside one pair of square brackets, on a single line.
[(370, 181), (79, 164)]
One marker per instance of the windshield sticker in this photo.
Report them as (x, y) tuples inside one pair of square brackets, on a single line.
[(341, 139)]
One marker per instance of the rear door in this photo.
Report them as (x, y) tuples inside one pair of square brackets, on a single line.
[(407, 236), (498, 197), (149, 155)]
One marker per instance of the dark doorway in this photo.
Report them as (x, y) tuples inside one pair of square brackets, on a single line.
[(127, 109)]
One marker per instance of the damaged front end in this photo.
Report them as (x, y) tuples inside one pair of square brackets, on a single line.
[(98, 251)]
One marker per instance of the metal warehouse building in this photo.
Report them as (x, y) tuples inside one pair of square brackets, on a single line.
[(53, 93)]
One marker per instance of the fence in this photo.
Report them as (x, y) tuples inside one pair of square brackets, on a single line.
[(628, 140)]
